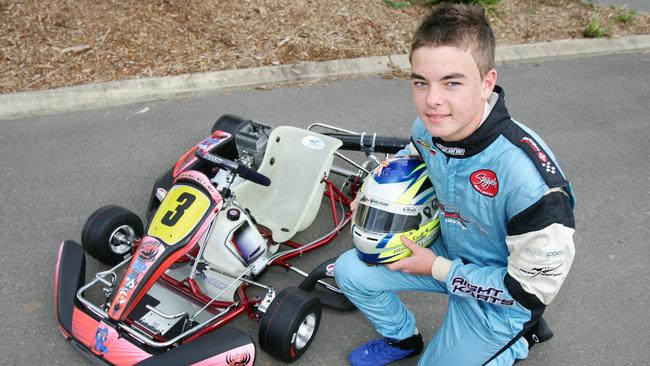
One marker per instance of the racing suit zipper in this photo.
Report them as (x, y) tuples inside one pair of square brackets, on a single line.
[(451, 227)]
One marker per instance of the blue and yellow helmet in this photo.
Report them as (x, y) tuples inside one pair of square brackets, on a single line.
[(396, 200)]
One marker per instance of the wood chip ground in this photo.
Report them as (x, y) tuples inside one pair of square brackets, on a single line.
[(57, 43)]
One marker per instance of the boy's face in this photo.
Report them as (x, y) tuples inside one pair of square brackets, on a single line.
[(448, 91)]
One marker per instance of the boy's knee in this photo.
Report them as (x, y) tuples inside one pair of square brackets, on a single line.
[(345, 268)]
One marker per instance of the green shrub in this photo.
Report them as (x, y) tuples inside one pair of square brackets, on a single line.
[(397, 4), (626, 15), (594, 29)]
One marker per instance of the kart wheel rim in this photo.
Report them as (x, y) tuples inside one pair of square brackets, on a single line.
[(121, 239), (305, 331)]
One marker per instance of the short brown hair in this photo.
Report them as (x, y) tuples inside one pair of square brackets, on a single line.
[(459, 25)]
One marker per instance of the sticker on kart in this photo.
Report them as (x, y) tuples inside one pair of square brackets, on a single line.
[(179, 213)]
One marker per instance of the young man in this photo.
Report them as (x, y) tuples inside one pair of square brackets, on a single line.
[(505, 211)]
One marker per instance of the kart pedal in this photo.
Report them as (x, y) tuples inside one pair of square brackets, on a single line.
[(141, 309), (155, 324), (178, 328)]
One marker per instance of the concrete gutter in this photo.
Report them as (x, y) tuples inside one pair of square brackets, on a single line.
[(101, 95)]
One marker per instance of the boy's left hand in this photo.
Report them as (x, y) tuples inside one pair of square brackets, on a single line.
[(420, 262)]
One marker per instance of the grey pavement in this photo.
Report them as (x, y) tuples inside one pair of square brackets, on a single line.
[(593, 112)]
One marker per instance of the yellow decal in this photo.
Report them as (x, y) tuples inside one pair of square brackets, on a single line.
[(398, 251), (178, 214), (423, 237), (410, 193)]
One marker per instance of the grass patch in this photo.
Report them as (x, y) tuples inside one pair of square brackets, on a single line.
[(397, 4), (626, 15), (594, 29), (490, 6)]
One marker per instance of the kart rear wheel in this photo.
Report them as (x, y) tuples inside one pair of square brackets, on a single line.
[(229, 123), (109, 233), (290, 324)]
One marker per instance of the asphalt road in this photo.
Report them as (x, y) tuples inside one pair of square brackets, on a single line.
[(594, 112)]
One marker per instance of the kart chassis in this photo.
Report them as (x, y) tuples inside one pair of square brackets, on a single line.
[(191, 310)]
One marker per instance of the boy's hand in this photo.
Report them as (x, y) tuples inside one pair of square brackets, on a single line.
[(355, 203), (420, 262)]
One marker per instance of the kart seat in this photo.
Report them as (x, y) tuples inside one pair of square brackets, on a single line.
[(296, 160)]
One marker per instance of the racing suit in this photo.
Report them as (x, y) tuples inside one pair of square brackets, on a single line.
[(506, 244)]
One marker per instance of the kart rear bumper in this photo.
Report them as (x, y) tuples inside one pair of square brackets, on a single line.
[(101, 343)]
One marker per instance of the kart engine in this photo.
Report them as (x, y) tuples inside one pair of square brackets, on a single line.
[(251, 143)]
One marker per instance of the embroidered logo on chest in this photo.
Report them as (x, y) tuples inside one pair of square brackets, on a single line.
[(457, 151), (485, 182), (426, 145)]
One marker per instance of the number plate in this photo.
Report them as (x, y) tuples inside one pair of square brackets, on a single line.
[(179, 213)]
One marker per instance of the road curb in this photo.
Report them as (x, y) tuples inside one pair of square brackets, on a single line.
[(101, 95)]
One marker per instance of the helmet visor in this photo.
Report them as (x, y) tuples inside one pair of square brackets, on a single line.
[(380, 221)]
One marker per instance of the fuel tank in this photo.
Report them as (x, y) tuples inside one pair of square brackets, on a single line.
[(233, 245)]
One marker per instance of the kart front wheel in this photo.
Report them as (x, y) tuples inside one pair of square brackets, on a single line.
[(290, 324), (109, 233)]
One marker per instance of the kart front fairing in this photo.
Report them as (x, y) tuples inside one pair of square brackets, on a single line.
[(184, 215)]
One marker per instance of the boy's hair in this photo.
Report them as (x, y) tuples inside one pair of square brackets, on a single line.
[(459, 25)]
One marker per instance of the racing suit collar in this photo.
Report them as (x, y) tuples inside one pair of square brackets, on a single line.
[(489, 130)]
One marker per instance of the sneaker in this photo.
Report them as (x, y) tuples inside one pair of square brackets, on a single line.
[(386, 350), (540, 332)]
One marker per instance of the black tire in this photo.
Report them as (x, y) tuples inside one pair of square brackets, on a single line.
[(229, 123), (98, 234), (290, 324)]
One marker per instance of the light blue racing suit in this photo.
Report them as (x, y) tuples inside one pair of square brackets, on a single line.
[(506, 244)]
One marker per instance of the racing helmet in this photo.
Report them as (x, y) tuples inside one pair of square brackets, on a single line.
[(396, 199)]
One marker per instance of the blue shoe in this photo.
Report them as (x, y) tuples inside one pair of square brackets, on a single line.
[(379, 352)]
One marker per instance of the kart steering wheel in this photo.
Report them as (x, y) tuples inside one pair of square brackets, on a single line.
[(241, 170)]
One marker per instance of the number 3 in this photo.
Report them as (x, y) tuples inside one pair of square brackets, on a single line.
[(171, 217)]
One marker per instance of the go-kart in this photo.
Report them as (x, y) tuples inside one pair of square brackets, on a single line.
[(215, 221)]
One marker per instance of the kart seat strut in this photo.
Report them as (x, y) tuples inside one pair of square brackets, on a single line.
[(296, 161)]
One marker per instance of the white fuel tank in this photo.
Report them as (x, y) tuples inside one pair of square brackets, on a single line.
[(234, 245)]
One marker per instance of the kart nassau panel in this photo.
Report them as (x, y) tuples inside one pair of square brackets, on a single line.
[(182, 218), (139, 276), (101, 342), (210, 144), (201, 180)]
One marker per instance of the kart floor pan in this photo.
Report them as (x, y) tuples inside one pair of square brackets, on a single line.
[(170, 302)]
